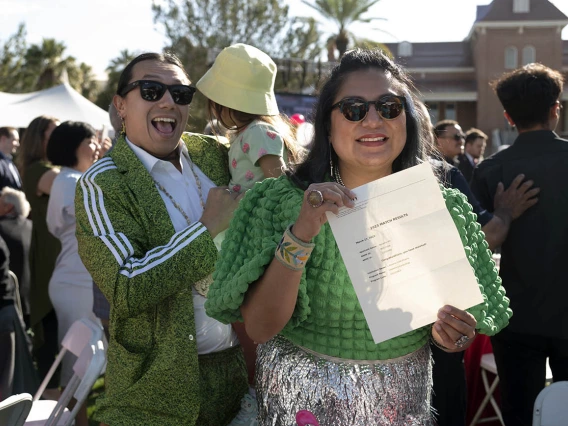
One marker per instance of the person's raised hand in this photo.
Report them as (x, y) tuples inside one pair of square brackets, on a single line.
[(454, 329), (518, 197), (105, 145), (219, 208), (320, 198)]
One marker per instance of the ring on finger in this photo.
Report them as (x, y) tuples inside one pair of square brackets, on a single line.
[(315, 198), (462, 341)]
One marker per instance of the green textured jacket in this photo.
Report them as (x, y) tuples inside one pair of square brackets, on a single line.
[(145, 269), (328, 317)]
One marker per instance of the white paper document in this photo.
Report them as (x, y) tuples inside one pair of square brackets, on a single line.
[(403, 253)]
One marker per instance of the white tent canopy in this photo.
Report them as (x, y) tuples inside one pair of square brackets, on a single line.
[(62, 102)]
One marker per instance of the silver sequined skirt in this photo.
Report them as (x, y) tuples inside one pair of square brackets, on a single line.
[(341, 392)]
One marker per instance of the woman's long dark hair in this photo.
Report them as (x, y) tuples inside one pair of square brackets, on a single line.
[(316, 167)]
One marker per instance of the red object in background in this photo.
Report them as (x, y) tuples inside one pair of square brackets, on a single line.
[(306, 418), (297, 119), (475, 389)]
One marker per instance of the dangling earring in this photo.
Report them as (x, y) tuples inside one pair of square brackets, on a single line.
[(123, 129), (330, 161)]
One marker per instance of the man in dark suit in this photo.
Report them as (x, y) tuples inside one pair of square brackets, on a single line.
[(9, 143), (475, 141), (533, 257)]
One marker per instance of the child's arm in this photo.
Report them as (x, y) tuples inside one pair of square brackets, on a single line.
[(272, 165)]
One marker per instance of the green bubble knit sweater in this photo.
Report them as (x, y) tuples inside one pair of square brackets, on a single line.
[(328, 317)]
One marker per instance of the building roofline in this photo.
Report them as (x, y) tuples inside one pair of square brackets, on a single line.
[(440, 70), (515, 24), (449, 96)]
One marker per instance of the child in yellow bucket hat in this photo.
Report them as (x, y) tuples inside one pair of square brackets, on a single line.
[(240, 90)]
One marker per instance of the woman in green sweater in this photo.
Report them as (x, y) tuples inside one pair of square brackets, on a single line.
[(318, 353)]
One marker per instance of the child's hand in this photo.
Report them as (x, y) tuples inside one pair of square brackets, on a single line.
[(219, 208)]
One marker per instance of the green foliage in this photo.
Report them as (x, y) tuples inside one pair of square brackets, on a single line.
[(114, 70), (13, 51), (41, 66), (198, 29), (343, 13)]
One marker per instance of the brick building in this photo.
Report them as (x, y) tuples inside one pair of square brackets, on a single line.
[(453, 77)]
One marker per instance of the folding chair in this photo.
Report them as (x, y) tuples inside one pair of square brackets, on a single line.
[(15, 409), (85, 340), (551, 407), (488, 365)]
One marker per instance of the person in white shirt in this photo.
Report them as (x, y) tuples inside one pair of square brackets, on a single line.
[(74, 147)]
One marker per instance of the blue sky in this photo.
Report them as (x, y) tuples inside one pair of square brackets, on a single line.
[(95, 31)]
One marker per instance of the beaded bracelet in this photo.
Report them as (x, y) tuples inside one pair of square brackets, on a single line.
[(292, 252)]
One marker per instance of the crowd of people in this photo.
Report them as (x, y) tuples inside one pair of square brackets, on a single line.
[(209, 262)]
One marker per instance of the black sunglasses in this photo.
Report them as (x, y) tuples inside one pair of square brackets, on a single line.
[(457, 137), (388, 107), (152, 91)]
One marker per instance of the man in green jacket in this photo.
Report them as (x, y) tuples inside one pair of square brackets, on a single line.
[(146, 217)]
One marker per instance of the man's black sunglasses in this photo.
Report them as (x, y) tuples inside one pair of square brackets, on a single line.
[(152, 91), (354, 109), (457, 137)]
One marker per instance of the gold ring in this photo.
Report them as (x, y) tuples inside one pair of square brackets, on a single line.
[(315, 198)]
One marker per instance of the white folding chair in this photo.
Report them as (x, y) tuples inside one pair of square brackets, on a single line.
[(488, 365), (551, 405), (15, 409), (85, 340)]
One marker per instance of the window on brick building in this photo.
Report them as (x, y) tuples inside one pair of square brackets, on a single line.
[(433, 110), (521, 6), (529, 55), (404, 49), (511, 59), (450, 113)]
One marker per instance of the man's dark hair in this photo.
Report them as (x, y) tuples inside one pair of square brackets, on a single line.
[(441, 126), (473, 134), (7, 131), (165, 58), (65, 140), (528, 93)]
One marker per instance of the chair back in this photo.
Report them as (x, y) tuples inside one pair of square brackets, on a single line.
[(87, 369), (82, 333), (551, 405), (15, 409)]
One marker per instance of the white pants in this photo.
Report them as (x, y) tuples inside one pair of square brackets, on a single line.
[(71, 303)]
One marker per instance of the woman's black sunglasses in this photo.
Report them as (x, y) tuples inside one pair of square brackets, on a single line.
[(153, 91), (353, 109)]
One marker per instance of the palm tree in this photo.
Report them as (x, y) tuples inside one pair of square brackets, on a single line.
[(343, 13), (45, 66), (88, 84), (114, 70)]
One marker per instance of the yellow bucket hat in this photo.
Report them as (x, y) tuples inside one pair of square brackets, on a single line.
[(242, 78)]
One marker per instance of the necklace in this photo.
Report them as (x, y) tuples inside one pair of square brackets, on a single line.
[(174, 202)]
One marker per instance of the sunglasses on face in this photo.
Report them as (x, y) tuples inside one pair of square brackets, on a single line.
[(153, 91), (388, 107), (456, 137)]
